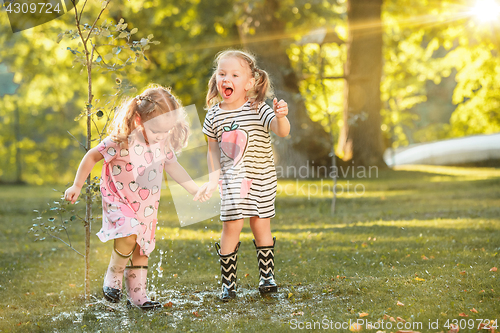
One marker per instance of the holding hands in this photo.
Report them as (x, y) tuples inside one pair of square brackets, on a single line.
[(280, 108), (205, 192)]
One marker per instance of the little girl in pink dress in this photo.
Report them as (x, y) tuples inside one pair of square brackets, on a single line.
[(144, 135)]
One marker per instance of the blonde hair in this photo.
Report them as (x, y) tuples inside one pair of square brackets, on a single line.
[(261, 90), (154, 101)]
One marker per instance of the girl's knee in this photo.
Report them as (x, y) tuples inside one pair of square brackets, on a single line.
[(231, 230), (125, 245)]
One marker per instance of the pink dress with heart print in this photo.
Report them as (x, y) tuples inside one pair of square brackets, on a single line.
[(131, 183)]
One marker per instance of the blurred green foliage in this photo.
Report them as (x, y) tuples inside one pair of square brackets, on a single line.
[(423, 42), (440, 45)]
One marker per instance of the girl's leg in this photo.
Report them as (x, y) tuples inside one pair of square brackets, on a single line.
[(136, 281), (230, 236), (261, 229), (122, 250), (138, 259), (264, 245), (228, 255)]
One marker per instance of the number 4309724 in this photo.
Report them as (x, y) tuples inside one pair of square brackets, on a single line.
[(471, 323), (25, 8)]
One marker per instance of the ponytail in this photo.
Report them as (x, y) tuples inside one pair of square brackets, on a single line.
[(262, 88), (179, 134), (123, 122), (212, 94)]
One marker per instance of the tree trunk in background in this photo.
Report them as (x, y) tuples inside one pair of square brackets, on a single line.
[(17, 130), (360, 140), (308, 143)]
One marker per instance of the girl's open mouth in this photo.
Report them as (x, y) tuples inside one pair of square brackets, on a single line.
[(228, 92)]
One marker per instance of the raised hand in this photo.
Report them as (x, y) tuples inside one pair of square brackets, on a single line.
[(280, 108)]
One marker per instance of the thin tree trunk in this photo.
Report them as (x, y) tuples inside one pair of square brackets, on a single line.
[(308, 144), (330, 125), (88, 209), (89, 55), (17, 130), (360, 140)]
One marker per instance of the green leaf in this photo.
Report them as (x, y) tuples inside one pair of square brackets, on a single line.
[(99, 59), (59, 37), (227, 128), (123, 34), (108, 56), (105, 33), (134, 31), (150, 36)]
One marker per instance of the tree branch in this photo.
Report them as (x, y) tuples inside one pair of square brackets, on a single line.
[(69, 245), (81, 12), (84, 147), (96, 20)]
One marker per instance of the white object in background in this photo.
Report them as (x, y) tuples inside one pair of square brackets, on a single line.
[(454, 151)]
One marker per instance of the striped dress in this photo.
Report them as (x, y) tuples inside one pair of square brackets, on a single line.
[(248, 180)]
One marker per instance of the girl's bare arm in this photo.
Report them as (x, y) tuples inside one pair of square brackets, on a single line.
[(86, 165)]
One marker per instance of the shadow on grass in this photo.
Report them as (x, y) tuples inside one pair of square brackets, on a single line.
[(425, 239)]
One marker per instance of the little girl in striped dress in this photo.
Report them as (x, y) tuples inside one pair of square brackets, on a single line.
[(241, 162)]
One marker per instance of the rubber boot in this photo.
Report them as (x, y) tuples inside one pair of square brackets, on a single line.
[(112, 286), (265, 258), (136, 286), (228, 266)]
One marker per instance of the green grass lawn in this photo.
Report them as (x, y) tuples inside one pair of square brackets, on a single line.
[(417, 245)]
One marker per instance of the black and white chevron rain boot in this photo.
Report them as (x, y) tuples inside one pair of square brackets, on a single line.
[(228, 266), (265, 257)]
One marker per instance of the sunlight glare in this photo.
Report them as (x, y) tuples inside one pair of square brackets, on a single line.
[(486, 10)]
